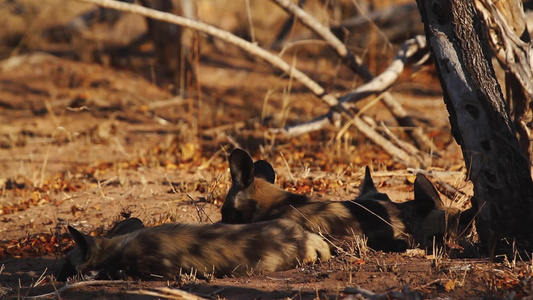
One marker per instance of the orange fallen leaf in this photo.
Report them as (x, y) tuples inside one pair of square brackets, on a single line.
[(411, 179), (171, 166), (449, 285)]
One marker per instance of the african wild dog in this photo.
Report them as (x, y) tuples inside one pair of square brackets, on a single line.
[(388, 226), (445, 223), (73, 258), (216, 249)]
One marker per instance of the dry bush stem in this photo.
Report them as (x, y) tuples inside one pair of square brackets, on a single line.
[(402, 144), (268, 57)]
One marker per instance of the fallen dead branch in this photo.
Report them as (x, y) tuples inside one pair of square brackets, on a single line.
[(360, 293), (393, 21), (226, 36), (70, 286), (274, 60), (355, 63), (384, 81), (402, 144), (167, 293), (377, 85)]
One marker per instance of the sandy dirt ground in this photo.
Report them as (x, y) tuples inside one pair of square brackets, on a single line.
[(88, 144)]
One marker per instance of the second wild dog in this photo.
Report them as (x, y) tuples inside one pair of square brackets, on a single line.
[(168, 250), (388, 226), (75, 256)]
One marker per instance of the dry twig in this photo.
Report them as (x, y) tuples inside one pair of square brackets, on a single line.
[(70, 286), (268, 57), (167, 293), (360, 293)]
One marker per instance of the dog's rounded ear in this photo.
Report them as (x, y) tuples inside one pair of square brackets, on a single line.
[(125, 226), (426, 191), (241, 166), (263, 169), (85, 242)]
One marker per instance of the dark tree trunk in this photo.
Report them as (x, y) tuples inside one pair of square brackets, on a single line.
[(480, 123), (173, 62)]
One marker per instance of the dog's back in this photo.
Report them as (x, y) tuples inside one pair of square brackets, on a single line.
[(388, 226), (218, 249)]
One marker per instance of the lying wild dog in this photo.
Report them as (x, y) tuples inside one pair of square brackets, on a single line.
[(73, 258), (388, 226), (217, 249), (445, 223)]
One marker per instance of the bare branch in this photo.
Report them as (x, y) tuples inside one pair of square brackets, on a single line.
[(385, 144), (270, 58), (321, 122), (402, 144), (70, 286), (327, 119), (355, 63), (251, 48), (167, 293), (384, 81), (375, 86)]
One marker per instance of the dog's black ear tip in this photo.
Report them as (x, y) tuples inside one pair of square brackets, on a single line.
[(241, 167), (368, 185), (424, 190), (71, 229), (263, 169), (238, 152), (421, 177), (240, 158)]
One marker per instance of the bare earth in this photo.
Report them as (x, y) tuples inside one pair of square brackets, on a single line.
[(89, 145)]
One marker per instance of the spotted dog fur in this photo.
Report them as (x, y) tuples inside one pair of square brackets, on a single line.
[(217, 249), (389, 226)]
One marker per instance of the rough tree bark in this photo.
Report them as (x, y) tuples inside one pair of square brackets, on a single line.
[(503, 190), (506, 28)]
